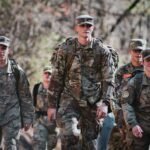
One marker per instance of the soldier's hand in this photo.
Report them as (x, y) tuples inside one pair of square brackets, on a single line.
[(51, 113), (102, 111), (137, 131)]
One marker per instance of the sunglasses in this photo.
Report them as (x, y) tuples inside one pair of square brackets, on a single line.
[(3, 47), (137, 51), (47, 73), (85, 25)]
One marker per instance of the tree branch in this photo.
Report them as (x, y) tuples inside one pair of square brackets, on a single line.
[(126, 12)]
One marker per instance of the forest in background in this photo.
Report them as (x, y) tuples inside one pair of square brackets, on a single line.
[(35, 27)]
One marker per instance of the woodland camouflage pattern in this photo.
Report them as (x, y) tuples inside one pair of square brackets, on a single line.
[(44, 130), (137, 107), (9, 105), (81, 77), (122, 76)]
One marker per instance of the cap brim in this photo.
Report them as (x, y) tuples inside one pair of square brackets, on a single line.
[(47, 71), (147, 57), (3, 43), (138, 48), (86, 22)]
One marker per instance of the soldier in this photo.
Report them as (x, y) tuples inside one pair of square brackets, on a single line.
[(16, 109), (44, 136), (122, 77), (136, 104), (81, 86)]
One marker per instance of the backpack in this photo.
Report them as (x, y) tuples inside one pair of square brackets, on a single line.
[(16, 72), (114, 54), (35, 92)]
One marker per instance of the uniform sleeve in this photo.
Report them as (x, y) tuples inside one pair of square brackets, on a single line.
[(56, 85), (107, 76), (27, 109), (128, 103), (118, 84)]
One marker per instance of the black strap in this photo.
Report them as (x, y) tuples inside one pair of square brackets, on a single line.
[(35, 92)]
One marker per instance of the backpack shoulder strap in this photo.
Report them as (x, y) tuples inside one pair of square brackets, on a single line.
[(15, 70), (71, 45), (35, 92), (138, 84)]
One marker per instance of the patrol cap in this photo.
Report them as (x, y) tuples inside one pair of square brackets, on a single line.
[(47, 69), (137, 44), (4, 41), (84, 19), (146, 53)]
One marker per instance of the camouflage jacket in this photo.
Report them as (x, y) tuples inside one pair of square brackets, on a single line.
[(41, 98), (81, 72), (9, 103), (122, 76), (137, 102)]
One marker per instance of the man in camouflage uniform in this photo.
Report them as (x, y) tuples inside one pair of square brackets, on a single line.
[(136, 105), (81, 86), (122, 76), (44, 130), (15, 98)]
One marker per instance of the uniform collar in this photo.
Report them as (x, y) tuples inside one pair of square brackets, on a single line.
[(146, 80), (89, 46)]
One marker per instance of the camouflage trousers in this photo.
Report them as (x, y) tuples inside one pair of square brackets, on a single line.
[(142, 143), (121, 139), (9, 134), (44, 136), (78, 127)]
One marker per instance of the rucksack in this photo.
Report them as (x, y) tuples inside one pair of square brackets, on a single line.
[(114, 54), (16, 72), (35, 92)]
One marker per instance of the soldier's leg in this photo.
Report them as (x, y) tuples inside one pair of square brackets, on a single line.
[(89, 128), (142, 143), (40, 137), (10, 132), (67, 122)]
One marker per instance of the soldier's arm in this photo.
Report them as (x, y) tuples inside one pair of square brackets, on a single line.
[(27, 109), (107, 76), (128, 103), (58, 76)]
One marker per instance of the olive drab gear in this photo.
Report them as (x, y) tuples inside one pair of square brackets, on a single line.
[(71, 45), (16, 73), (35, 92)]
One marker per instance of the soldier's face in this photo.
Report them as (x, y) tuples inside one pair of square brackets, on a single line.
[(147, 64), (136, 56), (84, 30), (3, 53), (46, 76)]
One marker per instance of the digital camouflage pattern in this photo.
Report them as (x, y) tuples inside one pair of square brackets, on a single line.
[(137, 108), (81, 77), (122, 77), (10, 119), (44, 131)]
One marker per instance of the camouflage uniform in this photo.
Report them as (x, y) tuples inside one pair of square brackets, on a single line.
[(137, 109), (44, 130), (122, 76), (81, 77), (10, 119), (136, 104)]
